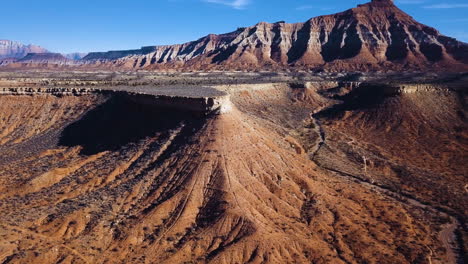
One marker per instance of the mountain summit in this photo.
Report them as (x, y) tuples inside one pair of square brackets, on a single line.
[(376, 36), (373, 36)]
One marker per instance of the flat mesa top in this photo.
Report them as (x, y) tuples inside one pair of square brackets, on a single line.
[(176, 91)]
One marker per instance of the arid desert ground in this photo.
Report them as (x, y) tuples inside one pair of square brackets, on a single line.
[(232, 168), (130, 133)]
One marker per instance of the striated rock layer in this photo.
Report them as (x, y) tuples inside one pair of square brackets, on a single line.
[(203, 100), (374, 36)]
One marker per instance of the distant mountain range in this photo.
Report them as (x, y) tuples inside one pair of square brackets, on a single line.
[(44, 58), (373, 36), (13, 49)]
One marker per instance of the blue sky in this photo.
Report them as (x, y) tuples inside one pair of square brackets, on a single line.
[(100, 25)]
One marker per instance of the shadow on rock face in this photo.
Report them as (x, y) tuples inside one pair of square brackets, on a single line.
[(118, 122), (366, 96)]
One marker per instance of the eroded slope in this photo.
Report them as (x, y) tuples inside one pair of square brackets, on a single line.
[(406, 140), (111, 181)]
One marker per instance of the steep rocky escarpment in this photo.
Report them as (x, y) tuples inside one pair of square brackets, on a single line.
[(376, 36), (372, 36), (161, 54), (203, 100)]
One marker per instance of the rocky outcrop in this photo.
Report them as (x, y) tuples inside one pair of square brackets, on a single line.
[(13, 49), (418, 88), (153, 55), (373, 36), (207, 101)]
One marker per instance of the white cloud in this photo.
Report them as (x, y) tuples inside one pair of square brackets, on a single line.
[(237, 4), (307, 7), (446, 6), (304, 7)]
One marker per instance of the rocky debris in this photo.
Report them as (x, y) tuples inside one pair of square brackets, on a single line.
[(13, 49)]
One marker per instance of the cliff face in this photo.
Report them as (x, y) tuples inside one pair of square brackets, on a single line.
[(202, 100), (373, 36), (163, 54), (13, 49)]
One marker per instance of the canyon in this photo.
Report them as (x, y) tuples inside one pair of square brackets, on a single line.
[(289, 171)]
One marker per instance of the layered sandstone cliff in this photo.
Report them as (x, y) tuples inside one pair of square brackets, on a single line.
[(376, 36), (373, 36)]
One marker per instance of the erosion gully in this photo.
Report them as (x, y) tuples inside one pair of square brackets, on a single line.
[(448, 233)]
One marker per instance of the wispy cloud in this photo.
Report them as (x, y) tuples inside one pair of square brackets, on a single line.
[(307, 7), (304, 7), (237, 4), (446, 6)]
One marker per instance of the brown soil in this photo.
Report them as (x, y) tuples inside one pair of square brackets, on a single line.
[(99, 179), (412, 142)]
